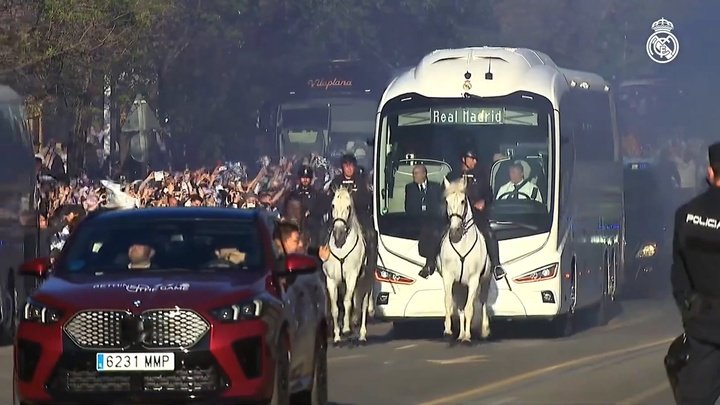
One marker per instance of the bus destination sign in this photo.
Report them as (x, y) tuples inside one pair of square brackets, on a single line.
[(468, 116), (327, 84)]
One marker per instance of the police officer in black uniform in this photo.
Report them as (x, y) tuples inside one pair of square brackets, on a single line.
[(352, 179), (480, 195), (695, 277), (311, 201)]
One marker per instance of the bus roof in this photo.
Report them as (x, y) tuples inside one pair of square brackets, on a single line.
[(8, 95), (441, 74)]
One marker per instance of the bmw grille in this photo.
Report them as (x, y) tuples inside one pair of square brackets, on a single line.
[(168, 328)]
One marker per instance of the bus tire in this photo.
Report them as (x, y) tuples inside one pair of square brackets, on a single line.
[(563, 325)]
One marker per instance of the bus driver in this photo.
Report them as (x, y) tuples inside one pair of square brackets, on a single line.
[(518, 187)]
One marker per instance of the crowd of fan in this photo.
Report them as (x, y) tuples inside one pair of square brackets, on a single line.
[(63, 201)]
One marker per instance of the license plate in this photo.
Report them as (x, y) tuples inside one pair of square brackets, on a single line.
[(135, 361)]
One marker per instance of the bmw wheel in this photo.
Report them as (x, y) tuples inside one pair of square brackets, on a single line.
[(318, 394), (8, 311), (281, 383)]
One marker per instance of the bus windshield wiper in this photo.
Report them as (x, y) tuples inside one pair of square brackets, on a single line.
[(473, 96), (515, 224)]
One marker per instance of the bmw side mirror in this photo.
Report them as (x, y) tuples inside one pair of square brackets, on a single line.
[(299, 264), (38, 268)]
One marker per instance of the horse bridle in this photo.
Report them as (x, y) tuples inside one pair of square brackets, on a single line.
[(466, 225), (347, 230)]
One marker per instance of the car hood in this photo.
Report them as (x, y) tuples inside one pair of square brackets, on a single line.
[(140, 292)]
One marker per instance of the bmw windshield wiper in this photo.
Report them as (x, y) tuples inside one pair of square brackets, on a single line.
[(515, 224)]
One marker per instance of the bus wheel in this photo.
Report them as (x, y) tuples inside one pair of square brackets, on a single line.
[(601, 312), (563, 325)]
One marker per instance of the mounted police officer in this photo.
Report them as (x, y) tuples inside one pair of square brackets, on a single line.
[(694, 365), (311, 202), (352, 179), (480, 195)]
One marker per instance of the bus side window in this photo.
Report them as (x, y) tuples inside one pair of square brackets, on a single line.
[(596, 127), (568, 129)]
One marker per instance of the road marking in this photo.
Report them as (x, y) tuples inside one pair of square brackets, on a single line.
[(633, 322), (350, 357), (475, 392), (503, 401), (643, 396), (461, 360), (406, 347)]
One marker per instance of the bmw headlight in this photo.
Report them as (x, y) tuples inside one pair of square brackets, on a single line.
[(541, 274), (646, 250), (239, 312), (39, 313)]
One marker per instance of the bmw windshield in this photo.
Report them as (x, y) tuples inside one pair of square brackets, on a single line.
[(507, 132), (161, 245)]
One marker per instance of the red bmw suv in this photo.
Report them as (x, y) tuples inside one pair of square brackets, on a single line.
[(173, 305)]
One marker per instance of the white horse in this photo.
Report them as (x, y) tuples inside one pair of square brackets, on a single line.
[(464, 260), (346, 263)]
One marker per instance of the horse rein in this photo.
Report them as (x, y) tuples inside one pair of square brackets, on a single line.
[(466, 225)]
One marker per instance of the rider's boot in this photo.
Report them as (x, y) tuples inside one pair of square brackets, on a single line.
[(493, 250), (428, 269), (371, 252)]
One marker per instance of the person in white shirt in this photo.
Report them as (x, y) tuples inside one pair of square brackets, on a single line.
[(518, 187)]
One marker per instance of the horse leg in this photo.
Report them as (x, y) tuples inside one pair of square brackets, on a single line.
[(448, 284), (371, 303), (472, 293), (332, 289), (484, 291), (350, 284), (363, 323), (461, 323)]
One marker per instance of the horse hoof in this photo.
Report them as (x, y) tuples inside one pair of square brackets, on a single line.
[(362, 342), (466, 342), (337, 343)]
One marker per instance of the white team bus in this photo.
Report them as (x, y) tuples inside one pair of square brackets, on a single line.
[(558, 256)]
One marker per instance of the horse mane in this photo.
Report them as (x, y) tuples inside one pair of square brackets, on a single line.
[(455, 187), (354, 222)]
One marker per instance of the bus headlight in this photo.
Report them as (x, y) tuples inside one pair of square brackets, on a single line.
[(387, 276), (543, 273), (646, 250)]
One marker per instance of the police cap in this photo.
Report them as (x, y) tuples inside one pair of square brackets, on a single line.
[(714, 153), (470, 154), (305, 171), (348, 158)]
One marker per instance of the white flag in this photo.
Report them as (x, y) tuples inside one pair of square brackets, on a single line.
[(116, 198)]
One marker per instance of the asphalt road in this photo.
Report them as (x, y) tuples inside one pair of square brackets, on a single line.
[(620, 363)]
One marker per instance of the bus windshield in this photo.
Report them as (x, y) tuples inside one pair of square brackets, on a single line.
[(11, 126), (303, 128), (643, 119), (346, 123), (508, 133), (352, 123)]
